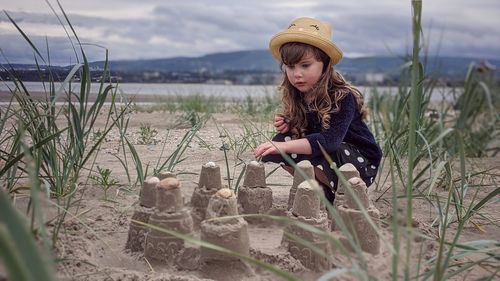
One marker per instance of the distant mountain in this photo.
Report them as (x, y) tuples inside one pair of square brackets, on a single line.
[(237, 66), (261, 60), (258, 60)]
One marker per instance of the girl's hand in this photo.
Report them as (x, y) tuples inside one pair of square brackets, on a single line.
[(272, 147), (281, 123)]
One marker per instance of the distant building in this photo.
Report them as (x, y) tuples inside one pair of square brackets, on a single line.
[(374, 78), (219, 81), (151, 75)]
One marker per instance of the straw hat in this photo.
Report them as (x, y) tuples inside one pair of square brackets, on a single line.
[(310, 31)]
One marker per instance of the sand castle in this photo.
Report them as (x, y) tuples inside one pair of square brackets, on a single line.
[(355, 221), (307, 209), (254, 196), (171, 214), (307, 169), (216, 209), (230, 233), (147, 201), (209, 183)]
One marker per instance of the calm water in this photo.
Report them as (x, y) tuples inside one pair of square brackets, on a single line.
[(209, 90), (226, 91)]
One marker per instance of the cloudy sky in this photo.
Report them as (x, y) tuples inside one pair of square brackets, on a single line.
[(133, 29)]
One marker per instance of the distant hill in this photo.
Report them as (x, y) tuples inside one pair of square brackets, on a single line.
[(237, 66), (258, 60), (261, 60)]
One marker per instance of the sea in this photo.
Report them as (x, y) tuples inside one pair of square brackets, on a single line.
[(230, 92)]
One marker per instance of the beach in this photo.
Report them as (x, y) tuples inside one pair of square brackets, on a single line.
[(92, 243)]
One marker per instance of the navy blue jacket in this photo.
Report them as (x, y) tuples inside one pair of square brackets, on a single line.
[(345, 126)]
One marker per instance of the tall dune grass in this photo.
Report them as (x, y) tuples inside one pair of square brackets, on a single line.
[(422, 150), (47, 146)]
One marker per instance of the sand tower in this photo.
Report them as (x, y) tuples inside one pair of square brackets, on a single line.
[(348, 171), (306, 208), (254, 196), (137, 233), (170, 214), (308, 169), (356, 222), (229, 233), (209, 183)]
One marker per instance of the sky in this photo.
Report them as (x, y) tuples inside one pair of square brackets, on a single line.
[(145, 29)]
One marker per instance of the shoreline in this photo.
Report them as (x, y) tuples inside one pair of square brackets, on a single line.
[(6, 97)]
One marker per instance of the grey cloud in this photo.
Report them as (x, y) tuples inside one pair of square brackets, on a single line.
[(189, 28), (242, 27), (60, 50)]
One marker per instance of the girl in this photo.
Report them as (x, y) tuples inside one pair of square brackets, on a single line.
[(319, 108)]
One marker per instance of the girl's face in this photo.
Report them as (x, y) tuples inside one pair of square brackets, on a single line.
[(306, 73)]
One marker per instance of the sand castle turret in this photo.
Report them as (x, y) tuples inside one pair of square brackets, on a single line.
[(254, 196), (147, 200), (170, 214), (209, 183), (307, 169), (307, 209), (230, 233), (355, 221), (348, 171)]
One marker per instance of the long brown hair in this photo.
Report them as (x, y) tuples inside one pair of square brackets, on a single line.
[(329, 91)]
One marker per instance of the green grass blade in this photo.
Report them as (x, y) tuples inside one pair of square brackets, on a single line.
[(38, 145), (12, 261), (137, 162), (37, 265)]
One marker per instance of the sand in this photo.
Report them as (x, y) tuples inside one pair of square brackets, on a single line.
[(92, 243)]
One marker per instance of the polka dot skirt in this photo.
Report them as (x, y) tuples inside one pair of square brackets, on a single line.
[(346, 153)]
